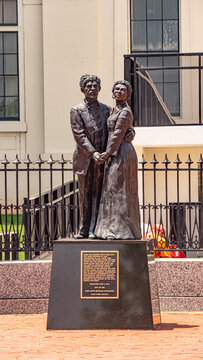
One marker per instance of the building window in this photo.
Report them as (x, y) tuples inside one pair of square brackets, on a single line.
[(167, 82), (9, 99), (154, 29), (154, 25), (9, 87), (8, 12)]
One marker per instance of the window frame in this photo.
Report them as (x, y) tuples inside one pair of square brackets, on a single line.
[(161, 52), (11, 118), (9, 24), (153, 20), (11, 28)]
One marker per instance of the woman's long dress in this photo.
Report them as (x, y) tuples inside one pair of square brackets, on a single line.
[(119, 215)]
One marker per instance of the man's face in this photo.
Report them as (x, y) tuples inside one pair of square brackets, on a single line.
[(91, 90)]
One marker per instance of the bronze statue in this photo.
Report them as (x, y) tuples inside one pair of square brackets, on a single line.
[(119, 216), (89, 126)]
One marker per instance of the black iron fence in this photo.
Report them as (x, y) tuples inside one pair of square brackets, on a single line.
[(167, 88), (174, 217), (29, 224), (171, 205)]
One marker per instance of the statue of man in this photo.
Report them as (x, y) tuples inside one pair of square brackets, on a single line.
[(89, 127)]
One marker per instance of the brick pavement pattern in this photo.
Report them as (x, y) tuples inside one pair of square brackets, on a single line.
[(25, 337)]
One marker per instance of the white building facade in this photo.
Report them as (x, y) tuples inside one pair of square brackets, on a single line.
[(46, 45)]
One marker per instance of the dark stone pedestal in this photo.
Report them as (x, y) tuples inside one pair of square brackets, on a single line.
[(102, 285)]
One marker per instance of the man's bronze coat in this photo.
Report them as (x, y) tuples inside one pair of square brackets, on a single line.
[(89, 126)]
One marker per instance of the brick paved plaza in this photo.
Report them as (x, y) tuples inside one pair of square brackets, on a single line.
[(25, 337)]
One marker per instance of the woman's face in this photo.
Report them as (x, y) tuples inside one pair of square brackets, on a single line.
[(120, 92)]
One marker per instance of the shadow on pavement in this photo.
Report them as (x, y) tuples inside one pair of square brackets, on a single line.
[(172, 326)]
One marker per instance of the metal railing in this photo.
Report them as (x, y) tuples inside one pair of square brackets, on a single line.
[(29, 224), (171, 205), (174, 217), (164, 94)]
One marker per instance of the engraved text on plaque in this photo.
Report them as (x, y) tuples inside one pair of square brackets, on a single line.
[(100, 274)]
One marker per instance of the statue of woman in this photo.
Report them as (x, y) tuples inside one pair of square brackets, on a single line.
[(119, 216)]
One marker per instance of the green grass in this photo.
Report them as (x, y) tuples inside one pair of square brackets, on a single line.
[(12, 227)]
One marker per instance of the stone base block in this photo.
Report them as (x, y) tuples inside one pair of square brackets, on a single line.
[(102, 285)]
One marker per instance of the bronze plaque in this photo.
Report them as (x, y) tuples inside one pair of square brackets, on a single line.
[(99, 274)]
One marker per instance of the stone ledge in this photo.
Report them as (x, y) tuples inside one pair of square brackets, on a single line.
[(32, 2), (13, 127), (180, 277), (27, 279), (181, 304), (24, 285), (23, 306)]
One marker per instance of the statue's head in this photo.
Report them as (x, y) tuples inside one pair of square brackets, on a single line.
[(89, 78), (90, 86), (124, 83)]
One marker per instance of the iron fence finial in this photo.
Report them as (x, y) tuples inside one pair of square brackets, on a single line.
[(5, 160), (16, 161), (166, 161), (177, 161), (62, 161), (200, 161), (28, 161), (143, 161), (189, 160), (51, 160), (39, 161), (154, 160)]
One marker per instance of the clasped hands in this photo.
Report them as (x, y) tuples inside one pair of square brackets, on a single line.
[(100, 158)]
